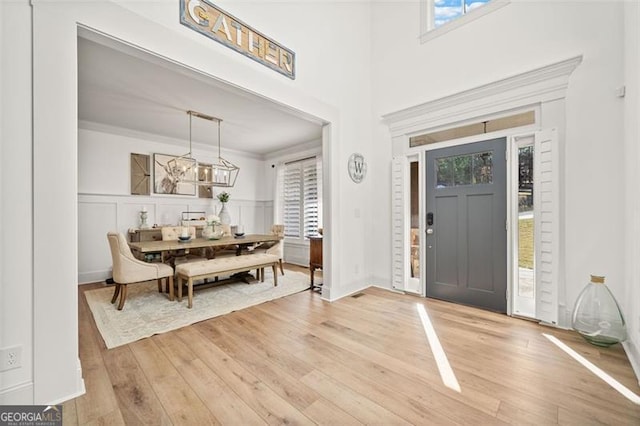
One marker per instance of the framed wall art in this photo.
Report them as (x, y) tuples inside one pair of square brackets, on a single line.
[(174, 175), (140, 174)]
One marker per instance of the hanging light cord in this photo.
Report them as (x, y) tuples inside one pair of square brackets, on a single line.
[(190, 124)]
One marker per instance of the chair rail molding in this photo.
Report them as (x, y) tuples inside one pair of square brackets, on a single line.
[(101, 213), (542, 84)]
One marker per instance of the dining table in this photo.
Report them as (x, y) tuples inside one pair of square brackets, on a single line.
[(143, 248)]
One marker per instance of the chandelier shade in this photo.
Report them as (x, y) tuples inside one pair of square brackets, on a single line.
[(222, 172)]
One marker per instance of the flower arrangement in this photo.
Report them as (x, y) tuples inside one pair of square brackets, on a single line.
[(223, 197), (212, 231), (213, 219)]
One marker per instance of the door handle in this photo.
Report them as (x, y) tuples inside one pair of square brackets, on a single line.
[(429, 231)]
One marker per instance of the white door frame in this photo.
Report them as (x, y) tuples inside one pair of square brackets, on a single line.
[(543, 88)]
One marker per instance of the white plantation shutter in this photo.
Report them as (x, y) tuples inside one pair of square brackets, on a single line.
[(292, 196), (301, 198), (310, 193), (398, 266), (546, 201)]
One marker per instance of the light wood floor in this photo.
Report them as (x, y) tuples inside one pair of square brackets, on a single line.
[(360, 360)]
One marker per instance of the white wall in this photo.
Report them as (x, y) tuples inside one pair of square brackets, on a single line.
[(105, 203), (517, 38), (631, 302), (331, 41), (16, 255), (104, 163)]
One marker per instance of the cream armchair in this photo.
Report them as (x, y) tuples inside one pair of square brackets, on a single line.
[(129, 270), (276, 248)]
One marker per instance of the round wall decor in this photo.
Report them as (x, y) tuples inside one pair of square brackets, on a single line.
[(357, 167)]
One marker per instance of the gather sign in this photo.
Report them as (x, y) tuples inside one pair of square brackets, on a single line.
[(215, 23)]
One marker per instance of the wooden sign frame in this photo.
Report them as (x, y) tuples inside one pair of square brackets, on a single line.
[(216, 24)]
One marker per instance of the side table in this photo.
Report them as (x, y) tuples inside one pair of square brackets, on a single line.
[(315, 258)]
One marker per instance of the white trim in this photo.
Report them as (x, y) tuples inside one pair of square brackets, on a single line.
[(80, 386), (422, 177), (528, 88), (426, 17), (305, 149), (634, 356), (399, 266), (20, 394), (547, 230), (534, 89), (99, 268)]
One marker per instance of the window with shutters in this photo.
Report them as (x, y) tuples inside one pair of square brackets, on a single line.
[(301, 198)]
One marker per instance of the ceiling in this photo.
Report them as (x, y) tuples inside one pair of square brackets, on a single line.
[(124, 87)]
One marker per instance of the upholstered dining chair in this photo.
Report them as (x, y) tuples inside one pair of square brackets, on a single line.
[(276, 247), (171, 233), (225, 251), (129, 270)]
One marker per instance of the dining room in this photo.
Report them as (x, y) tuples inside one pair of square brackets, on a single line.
[(128, 131)]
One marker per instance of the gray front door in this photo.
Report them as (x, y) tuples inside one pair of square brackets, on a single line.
[(466, 224)]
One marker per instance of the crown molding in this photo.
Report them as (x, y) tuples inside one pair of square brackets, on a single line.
[(542, 84)]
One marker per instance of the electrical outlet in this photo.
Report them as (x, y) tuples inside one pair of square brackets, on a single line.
[(10, 358)]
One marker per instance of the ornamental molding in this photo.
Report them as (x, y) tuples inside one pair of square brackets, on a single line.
[(543, 84)]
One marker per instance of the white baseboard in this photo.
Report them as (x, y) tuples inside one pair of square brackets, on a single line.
[(633, 354), (81, 389), (21, 394), (94, 276), (393, 290), (80, 392), (382, 282), (564, 316), (353, 287)]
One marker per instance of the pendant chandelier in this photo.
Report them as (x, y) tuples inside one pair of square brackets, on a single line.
[(221, 173)]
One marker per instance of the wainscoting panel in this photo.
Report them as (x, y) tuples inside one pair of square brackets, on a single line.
[(99, 214), (95, 219), (296, 253)]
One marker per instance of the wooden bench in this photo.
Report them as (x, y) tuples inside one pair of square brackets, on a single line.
[(224, 266)]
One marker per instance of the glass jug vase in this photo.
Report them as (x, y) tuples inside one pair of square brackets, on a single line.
[(597, 316)]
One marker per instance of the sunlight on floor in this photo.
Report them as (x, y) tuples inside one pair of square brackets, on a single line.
[(446, 373), (595, 370)]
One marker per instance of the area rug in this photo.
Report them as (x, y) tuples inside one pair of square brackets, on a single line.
[(147, 312)]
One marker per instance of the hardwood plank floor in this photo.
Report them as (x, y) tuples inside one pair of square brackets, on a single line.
[(364, 360)]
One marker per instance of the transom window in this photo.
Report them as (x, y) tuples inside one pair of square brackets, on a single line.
[(448, 10), (441, 16)]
